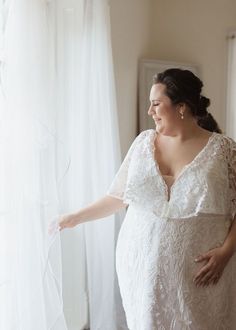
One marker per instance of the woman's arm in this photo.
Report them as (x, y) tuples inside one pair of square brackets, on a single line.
[(102, 208)]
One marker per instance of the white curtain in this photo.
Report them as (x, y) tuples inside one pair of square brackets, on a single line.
[(59, 151), (30, 267), (88, 125), (231, 87)]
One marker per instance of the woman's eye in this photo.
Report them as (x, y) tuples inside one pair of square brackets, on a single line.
[(156, 104)]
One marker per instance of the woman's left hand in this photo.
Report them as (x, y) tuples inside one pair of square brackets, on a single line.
[(216, 260)]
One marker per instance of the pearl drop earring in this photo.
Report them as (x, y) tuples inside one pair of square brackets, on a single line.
[(181, 111), (182, 115)]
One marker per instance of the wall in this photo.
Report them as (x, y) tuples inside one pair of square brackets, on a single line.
[(175, 30), (195, 31), (130, 31)]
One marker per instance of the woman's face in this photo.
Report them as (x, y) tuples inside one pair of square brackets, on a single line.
[(163, 112)]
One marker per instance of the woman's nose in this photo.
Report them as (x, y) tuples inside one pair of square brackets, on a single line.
[(150, 110)]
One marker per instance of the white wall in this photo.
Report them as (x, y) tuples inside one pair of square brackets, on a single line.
[(176, 30), (195, 31), (130, 29)]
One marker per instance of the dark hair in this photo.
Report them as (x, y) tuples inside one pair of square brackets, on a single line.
[(182, 86)]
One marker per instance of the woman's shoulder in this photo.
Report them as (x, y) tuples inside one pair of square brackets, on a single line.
[(146, 133), (226, 139), (144, 137), (228, 145)]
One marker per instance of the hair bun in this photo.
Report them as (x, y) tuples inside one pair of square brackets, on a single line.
[(204, 103)]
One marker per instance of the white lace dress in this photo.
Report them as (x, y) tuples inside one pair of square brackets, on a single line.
[(160, 238)]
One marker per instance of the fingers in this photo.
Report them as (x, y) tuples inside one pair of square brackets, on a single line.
[(67, 221), (202, 257), (206, 282), (208, 274), (208, 278), (203, 271), (205, 278), (54, 226), (64, 221), (211, 272), (216, 279), (59, 223)]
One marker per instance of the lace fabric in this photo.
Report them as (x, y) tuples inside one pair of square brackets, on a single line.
[(206, 185), (161, 236)]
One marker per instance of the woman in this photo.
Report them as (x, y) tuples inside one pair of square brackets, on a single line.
[(175, 251)]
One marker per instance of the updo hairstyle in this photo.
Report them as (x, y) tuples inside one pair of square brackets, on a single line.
[(182, 86)]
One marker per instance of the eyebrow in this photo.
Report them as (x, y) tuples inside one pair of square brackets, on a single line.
[(156, 100)]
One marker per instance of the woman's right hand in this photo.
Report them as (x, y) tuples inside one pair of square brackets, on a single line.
[(101, 208), (61, 222), (67, 221)]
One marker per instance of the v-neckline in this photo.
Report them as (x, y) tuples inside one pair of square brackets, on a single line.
[(168, 190)]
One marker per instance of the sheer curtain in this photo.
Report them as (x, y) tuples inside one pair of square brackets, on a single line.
[(231, 86), (30, 270), (88, 125), (59, 149)]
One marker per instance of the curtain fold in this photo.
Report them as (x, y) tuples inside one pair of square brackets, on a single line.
[(59, 151), (88, 125), (97, 96), (231, 86), (30, 270)]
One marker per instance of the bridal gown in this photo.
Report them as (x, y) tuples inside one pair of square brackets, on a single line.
[(160, 237)]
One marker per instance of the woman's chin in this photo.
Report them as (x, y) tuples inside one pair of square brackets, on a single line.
[(158, 126)]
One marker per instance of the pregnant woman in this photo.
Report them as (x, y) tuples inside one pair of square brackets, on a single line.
[(175, 257)]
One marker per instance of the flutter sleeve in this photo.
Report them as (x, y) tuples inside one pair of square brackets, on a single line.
[(118, 185), (232, 176)]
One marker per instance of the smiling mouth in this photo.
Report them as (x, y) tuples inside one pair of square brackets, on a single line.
[(156, 119)]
